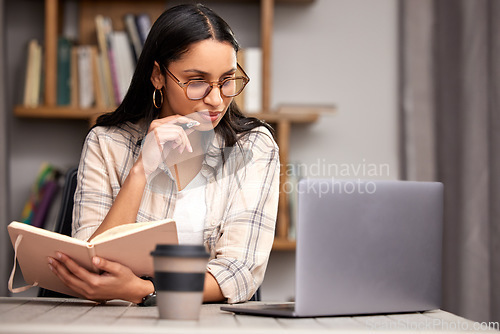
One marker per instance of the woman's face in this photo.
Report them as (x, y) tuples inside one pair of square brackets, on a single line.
[(208, 60)]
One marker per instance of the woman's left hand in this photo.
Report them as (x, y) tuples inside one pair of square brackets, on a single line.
[(116, 282)]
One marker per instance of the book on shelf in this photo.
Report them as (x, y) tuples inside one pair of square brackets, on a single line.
[(64, 46), (143, 23), (41, 196), (119, 51), (252, 95), (70, 22), (86, 94), (108, 100), (74, 77), (36, 92), (123, 62), (65, 58), (108, 33), (47, 195), (129, 244), (133, 34), (29, 72), (88, 78), (103, 27), (33, 77), (97, 78)]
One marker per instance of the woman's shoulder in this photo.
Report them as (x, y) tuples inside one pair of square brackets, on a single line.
[(126, 132), (259, 137)]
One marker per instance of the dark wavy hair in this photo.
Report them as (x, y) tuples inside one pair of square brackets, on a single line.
[(169, 38)]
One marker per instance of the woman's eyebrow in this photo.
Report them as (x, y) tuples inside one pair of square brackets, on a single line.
[(192, 70)]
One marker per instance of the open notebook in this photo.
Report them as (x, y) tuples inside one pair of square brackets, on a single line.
[(128, 244)]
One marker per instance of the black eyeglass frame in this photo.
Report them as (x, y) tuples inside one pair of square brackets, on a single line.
[(184, 85)]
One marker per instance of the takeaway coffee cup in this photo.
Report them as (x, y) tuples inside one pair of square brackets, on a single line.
[(179, 279)]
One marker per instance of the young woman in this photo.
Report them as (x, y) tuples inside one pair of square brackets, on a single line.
[(219, 179)]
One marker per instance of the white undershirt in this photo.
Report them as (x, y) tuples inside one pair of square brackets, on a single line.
[(190, 211)]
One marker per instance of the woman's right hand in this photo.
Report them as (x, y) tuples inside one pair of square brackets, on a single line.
[(164, 135)]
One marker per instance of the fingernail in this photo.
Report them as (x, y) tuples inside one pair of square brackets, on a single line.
[(50, 260), (190, 149), (51, 268), (96, 260), (59, 255)]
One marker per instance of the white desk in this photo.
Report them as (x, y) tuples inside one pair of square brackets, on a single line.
[(52, 315)]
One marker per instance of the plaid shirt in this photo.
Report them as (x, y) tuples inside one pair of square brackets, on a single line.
[(241, 194)]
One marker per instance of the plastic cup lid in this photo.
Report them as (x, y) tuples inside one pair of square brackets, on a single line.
[(180, 251)]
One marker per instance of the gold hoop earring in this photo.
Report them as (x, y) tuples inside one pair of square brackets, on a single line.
[(154, 98)]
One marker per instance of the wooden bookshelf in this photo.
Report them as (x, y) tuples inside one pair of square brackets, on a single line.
[(310, 115), (57, 112), (282, 119), (284, 244)]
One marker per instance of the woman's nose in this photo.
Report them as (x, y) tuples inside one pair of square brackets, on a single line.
[(214, 98)]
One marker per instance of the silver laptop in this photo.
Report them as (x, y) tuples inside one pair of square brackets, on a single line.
[(364, 247)]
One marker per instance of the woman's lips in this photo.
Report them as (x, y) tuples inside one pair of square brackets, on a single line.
[(211, 116)]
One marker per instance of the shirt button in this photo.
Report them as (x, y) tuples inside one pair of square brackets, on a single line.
[(214, 222)]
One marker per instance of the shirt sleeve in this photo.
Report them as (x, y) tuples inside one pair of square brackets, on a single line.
[(247, 234), (93, 195)]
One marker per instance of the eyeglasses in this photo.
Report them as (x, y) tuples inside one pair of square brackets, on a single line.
[(198, 89)]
